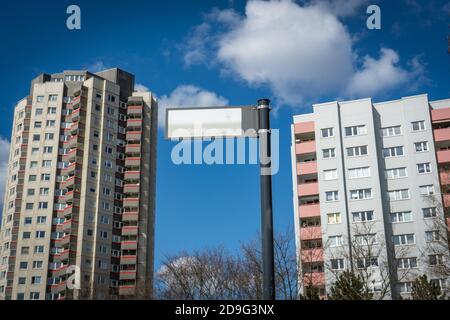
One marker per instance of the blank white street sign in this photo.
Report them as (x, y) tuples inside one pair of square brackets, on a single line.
[(196, 123)]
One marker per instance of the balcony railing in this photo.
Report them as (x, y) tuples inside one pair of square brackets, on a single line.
[(305, 147), (309, 210)]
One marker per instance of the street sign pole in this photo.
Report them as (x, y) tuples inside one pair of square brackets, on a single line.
[(264, 135)]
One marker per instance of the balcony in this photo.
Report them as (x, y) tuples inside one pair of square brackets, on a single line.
[(443, 156), (70, 169), (304, 127), (314, 278), (127, 275), (440, 115), (64, 227), (308, 189), (130, 231), (133, 148), (126, 290), (132, 161), (75, 115), (57, 288), (441, 134), (309, 210), (70, 182), (61, 256), (58, 272), (70, 156), (134, 135), (134, 110), (446, 197), (312, 255), (129, 245), (305, 168), (61, 242), (128, 259), (131, 202), (134, 123), (311, 233), (305, 147), (132, 175), (131, 188), (445, 178), (130, 216)]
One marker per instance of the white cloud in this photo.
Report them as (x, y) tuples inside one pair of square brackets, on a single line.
[(140, 88), (4, 158), (299, 52), (97, 66), (187, 96)]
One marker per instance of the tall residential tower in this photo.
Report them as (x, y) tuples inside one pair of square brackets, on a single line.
[(78, 216), (371, 192)]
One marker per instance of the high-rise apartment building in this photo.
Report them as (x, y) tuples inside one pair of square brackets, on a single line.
[(371, 193), (78, 216)]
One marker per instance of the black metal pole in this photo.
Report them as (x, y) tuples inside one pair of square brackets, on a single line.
[(266, 199)]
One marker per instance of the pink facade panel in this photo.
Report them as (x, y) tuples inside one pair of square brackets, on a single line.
[(304, 127), (305, 147), (445, 178), (309, 210), (440, 114), (442, 134), (311, 233), (312, 255), (443, 156), (304, 168), (315, 278), (446, 200), (308, 189)]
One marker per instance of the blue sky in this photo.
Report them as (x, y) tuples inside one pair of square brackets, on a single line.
[(207, 52)]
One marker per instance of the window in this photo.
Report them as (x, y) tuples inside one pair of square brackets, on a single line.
[(39, 249), (364, 263), (440, 283), (38, 124), (46, 163), (407, 263), (355, 130), (432, 235), (357, 151), (23, 265), (335, 241), (361, 194), (423, 168), (48, 149), (395, 195), (41, 219), (327, 132), (36, 137), (22, 280), (418, 125), (105, 219), (51, 123), (403, 216), (29, 206), (34, 150), (49, 136), (395, 173), (111, 98), (33, 164), (427, 190), (404, 239), (45, 177), (103, 234), (28, 220), (106, 191), (393, 152), (429, 212), (334, 218), (332, 196), (39, 98), (421, 146), (36, 280), (34, 295), (53, 97), (362, 172), (51, 110), (108, 150), (330, 174), (366, 239), (405, 287), (436, 259), (108, 164), (44, 191), (391, 131), (362, 216), (40, 234), (337, 264), (329, 153)]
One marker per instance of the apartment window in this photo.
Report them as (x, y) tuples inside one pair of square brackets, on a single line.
[(103, 234), (407, 263), (96, 134), (423, 168), (106, 191), (404, 239), (105, 219), (363, 216), (29, 206), (329, 153), (334, 218), (366, 239), (40, 234), (327, 132), (48, 149), (45, 177), (49, 136), (362, 172), (402, 216), (22, 280), (38, 249), (108, 150), (330, 174), (51, 123), (393, 152), (337, 264), (34, 151), (111, 98), (36, 137), (108, 164), (436, 259), (432, 235), (38, 124), (421, 146), (39, 98), (355, 130), (332, 196), (395, 173), (33, 164), (51, 110), (391, 131), (34, 295), (335, 241), (440, 283), (41, 219), (53, 97), (46, 163), (418, 125), (395, 195), (429, 212), (357, 151), (44, 191), (364, 263), (111, 111), (23, 265), (36, 280), (427, 190), (361, 194)]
